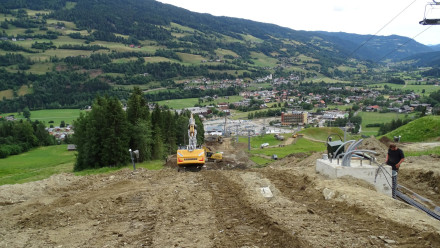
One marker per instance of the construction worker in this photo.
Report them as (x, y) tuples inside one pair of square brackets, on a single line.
[(395, 157)]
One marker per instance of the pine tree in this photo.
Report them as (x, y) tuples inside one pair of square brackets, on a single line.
[(138, 116), (182, 129), (170, 131), (101, 136), (142, 138), (116, 136), (200, 130), (157, 148), (137, 108)]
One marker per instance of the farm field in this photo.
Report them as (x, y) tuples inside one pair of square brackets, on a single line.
[(238, 115), (190, 102), (55, 115), (416, 88)]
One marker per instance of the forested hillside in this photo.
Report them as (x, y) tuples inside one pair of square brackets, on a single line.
[(431, 59), (59, 54)]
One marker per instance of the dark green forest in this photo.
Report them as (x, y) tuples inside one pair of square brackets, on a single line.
[(20, 136), (104, 135)]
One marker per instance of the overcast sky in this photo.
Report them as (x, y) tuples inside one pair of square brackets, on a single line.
[(351, 16)]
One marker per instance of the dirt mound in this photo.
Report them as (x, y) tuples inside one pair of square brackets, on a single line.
[(375, 145), (422, 179), (385, 140), (310, 161), (171, 161), (11, 194)]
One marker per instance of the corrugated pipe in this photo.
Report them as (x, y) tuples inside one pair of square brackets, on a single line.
[(412, 202), (402, 196)]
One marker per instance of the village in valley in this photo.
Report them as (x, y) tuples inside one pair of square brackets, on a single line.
[(295, 107)]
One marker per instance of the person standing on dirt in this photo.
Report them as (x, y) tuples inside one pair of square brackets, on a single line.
[(395, 157)]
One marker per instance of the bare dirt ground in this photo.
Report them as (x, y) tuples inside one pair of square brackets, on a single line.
[(219, 206), (420, 146)]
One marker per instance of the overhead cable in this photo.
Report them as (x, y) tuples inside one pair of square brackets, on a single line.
[(397, 48), (373, 36)]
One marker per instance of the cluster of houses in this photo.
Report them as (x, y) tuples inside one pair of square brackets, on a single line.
[(402, 109), (14, 39), (60, 133), (8, 118), (207, 84)]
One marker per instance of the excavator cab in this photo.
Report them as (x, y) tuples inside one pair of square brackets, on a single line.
[(432, 13)]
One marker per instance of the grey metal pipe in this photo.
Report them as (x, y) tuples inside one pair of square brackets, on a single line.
[(347, 156), (343, 145)]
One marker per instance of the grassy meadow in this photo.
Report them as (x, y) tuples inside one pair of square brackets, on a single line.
[(258, 140), (300, 146), (422, 129), (375, 117), (37, 164), (55, 115), (43, 162), (190, 102)]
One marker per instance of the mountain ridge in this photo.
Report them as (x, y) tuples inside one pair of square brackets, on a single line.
[(82, 48)]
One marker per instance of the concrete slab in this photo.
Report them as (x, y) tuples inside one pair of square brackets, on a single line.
[(363, 171), (266, 192)]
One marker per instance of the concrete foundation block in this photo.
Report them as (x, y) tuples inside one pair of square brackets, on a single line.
[(364, 172)]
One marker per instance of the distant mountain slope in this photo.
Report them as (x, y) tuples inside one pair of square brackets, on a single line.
[(423, 129), (431, 59), (379, 47), (435, 47), (140, 18), (146, 19)]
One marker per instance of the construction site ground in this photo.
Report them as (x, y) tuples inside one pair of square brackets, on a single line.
[(220, 206)]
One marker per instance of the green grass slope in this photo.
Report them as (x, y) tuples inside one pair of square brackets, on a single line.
[(36, 164), (300, 146), (423, 129), (43, 162)]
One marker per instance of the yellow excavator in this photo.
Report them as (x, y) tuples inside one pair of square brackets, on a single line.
[(213, 156), (191, 155)]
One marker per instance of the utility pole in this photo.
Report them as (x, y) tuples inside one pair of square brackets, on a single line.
[(226, 135), (236, 133), (249, 140)]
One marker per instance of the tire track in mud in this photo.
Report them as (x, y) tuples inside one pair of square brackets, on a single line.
[(350, 223), (238, 223)]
